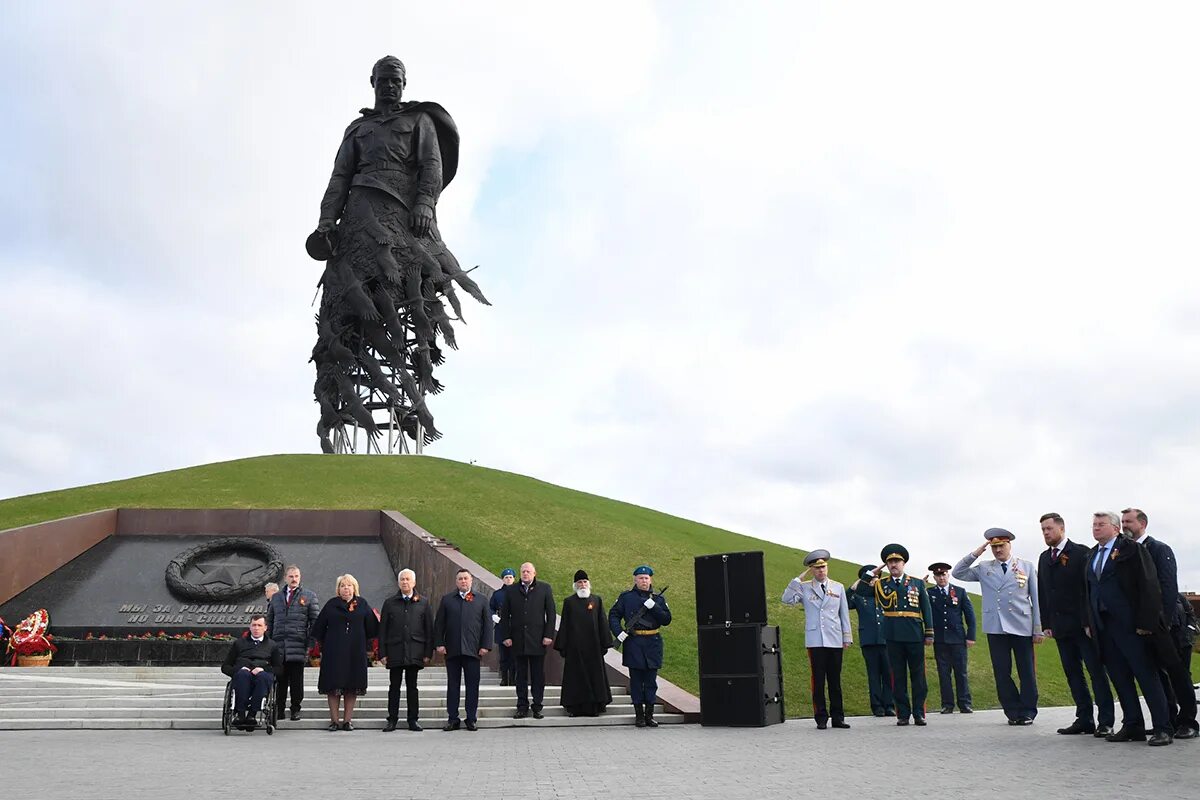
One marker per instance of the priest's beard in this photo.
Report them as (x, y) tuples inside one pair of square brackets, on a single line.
[(583, 594)]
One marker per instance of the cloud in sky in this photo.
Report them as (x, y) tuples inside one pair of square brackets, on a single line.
[(831, 276)]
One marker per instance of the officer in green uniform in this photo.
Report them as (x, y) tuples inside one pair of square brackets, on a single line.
[(908, 628), (861, 597)]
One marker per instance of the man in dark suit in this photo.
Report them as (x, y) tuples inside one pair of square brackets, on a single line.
[(1062, 570), (252, 662), (953, 633), (1175, 676), (1124, 608), (527, 619), (462, 632)]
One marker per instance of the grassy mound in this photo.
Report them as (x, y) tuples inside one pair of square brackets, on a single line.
[(501, 519)]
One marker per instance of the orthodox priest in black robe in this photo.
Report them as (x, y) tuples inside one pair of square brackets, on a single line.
[(583, 637)]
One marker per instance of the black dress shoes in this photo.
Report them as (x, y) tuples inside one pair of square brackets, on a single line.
[(1159, 739), (1185, 732), (1022, 721), (452, 725), (295, 716), (333, 726), (947, 709), (413, 726), (840, 723), (347, 726), (471, 726), (820, 726), (537, 714), (1127, 734), (902, 721), (1076, 728), (1103, 731), (919, 721), (389, 727), (521, 714), (966, 710)]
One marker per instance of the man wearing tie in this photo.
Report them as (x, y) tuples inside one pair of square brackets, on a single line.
[(953, 633), (1012, 620), (462, 632), (908, 628), (1124, 608), (1062, 571), (826, 634), (290, 617), (405, 646)]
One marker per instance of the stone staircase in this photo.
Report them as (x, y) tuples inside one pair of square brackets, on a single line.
[(97, 698)]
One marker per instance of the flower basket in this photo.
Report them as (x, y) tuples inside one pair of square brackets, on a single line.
[(34, 661)]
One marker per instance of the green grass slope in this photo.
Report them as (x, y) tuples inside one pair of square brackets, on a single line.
[(501, 519)]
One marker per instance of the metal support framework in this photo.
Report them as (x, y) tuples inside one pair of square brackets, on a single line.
[(391, 418)]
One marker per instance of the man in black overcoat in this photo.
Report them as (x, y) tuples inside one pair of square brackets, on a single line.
[(583, 638), (1124, 611), (252, 662), (1061, 574), (462, 632), (527, 618), (405, 646), (1175, 675)]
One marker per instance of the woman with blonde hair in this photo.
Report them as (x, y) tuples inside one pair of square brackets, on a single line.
[(343, 628)]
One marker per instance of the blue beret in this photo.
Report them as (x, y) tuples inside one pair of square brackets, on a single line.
[(644, 569), (507, 572)]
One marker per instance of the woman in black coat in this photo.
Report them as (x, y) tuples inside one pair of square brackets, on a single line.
[(405, 645), (343, 628)]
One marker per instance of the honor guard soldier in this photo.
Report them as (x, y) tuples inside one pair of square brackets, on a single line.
[(861, 597), (826, 634), (907, 627), (1012, 620), (643, 613), (953, 633)]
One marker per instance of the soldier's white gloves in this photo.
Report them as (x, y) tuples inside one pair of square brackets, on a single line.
[(495, 619), (622, 636), (649, 602)]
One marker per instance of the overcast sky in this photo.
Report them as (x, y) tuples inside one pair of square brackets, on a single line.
[(829, 274)]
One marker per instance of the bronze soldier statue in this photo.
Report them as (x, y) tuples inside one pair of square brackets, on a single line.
[(388, 277)]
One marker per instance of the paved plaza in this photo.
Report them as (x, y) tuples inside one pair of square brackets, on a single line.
[(972, 756)]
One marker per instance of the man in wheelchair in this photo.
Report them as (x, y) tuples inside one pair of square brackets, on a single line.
[(252, 663)]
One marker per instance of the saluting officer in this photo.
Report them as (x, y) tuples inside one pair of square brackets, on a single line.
[(1012, 620), (907, 627), (826, 634), (643, 644), (953, 633), (861, 597)]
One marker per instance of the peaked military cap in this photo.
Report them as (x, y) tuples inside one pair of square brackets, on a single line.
[(998, 535), (644, 569), (817, 558), (894, 551), (939, 566), (866, 572)]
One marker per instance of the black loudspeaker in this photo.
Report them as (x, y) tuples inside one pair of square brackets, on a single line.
[(753, 698), (731, 589)]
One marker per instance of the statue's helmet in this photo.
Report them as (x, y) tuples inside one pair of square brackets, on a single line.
[(389, 67)]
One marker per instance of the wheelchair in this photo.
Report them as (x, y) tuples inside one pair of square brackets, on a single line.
[(265, 719)]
